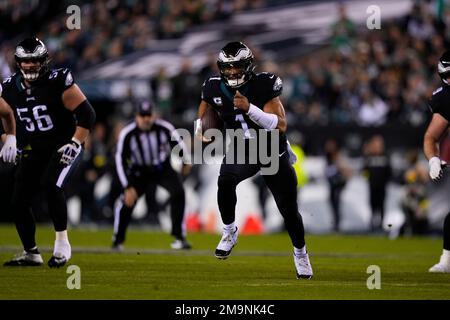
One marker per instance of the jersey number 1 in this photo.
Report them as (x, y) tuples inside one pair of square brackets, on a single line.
[(43, 121), (244, 125)]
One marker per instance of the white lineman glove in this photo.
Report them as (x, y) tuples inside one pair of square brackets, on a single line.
[(9, 150), (292, 155), (69, 152), (436, 168), (198, 131)]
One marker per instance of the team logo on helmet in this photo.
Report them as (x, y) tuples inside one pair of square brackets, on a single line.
[(236, 64), (32, 50)]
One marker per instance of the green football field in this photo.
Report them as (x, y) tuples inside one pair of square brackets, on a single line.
[(260, 267)]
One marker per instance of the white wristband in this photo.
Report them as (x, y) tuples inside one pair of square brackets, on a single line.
[(266, 120)]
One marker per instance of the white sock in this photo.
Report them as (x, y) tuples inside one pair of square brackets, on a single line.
[(62, 248), (299, 252), (446, 254), (229, 227), (62, 235)]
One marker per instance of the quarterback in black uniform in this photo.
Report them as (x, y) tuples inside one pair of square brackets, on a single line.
[(440, 106), (53, 119), (248, 100)]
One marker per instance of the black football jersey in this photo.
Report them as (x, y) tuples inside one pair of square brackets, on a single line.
[(440, 101), (41, 118), (260, 89)]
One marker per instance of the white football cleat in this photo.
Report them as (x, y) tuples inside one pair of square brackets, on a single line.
[(303, 266), (226, 244), (442, 267), (25, 259)]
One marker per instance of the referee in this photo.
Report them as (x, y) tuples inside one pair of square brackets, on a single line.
[(142, 158)]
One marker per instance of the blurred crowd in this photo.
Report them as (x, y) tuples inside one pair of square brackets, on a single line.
[(113, 28), (371, 77), (364, 77)]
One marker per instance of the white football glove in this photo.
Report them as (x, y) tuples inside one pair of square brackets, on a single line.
[(436, 168), (9, 150), (198, 131), (69, 152), (292, 155)]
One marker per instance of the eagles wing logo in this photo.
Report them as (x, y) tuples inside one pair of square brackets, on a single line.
[(278, 84), (69, 79)]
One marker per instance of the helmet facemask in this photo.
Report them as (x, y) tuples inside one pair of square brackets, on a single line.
[(31, 73), (32, 51), (234, 74), (235, 64)]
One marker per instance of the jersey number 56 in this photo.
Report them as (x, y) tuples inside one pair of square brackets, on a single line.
[(38, 118)]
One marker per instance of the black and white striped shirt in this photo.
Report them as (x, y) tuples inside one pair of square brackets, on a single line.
[(139, 150)]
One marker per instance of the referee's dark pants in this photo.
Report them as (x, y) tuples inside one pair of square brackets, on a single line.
[(165, 177)]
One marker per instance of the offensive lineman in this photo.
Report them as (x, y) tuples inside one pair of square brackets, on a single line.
[(53, 119), (245, 99), (439, 105)]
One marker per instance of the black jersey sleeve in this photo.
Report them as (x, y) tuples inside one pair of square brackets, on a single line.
[(440, 102), (205, 95), (209, 89), (5, 89), (270, 86), (62, 78)]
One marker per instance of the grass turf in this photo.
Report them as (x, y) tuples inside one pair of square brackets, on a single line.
[(260, 267)]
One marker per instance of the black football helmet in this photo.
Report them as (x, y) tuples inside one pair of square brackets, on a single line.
[(32, 50), (236, 55), (444, 66)]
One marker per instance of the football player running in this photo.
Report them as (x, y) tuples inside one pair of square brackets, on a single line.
[(437, 129), (53, 119), (248, 100)]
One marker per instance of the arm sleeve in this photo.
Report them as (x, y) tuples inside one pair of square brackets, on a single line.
[(85, 115)]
